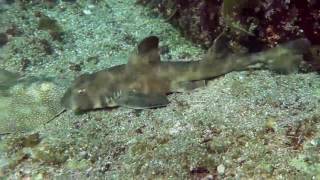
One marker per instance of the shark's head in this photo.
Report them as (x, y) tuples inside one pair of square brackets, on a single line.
[(77, 97), (94, 91)]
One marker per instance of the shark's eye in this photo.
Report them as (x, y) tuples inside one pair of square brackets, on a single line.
[(82, 91)]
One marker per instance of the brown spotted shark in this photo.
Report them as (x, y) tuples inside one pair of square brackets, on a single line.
[(145, 80)]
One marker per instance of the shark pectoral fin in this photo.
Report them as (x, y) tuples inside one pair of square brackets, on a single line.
[(137, 100), (187, 85)]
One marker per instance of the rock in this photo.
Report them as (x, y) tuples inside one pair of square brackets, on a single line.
[(221, 169), (3, 39)]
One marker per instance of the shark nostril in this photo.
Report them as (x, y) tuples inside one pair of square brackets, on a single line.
[(82, 91)]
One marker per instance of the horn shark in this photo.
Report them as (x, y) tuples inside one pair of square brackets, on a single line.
[(145, 80)]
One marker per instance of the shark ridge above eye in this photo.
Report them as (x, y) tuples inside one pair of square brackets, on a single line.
[(145, 80), (82, 91)]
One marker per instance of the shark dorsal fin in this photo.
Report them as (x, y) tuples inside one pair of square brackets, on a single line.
[(148, 44), (220, 47), (146, 53)]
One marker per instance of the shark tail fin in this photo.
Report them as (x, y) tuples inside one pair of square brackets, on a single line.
[(301, 45), (286, 57)]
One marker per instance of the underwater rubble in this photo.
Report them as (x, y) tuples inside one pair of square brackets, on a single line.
[(22, 96)]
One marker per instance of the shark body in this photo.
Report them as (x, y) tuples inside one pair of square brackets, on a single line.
[(145, 80)]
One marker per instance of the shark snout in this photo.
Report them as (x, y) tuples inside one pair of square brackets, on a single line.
[(75, 102)]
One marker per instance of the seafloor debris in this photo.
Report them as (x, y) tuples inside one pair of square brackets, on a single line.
[(51, 25), (271, 21), (7, 79), (3, 39), (26, 103)]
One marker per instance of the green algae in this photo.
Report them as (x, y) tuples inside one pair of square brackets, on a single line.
[(52, 26), (78, 165), (7, 79), (310, 168), (168, 159), (308, 161), (30, 147)]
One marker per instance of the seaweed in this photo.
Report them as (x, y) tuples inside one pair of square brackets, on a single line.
[(230, 13), (8, 79), (51, 25)]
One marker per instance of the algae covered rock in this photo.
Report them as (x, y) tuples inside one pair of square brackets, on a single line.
[(33, 147), (7, 79), (28, 105)]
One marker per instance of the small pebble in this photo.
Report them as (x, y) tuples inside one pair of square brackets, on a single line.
[(75, 67), (3, 39), (87, 12), (221, 169), (91, 6)]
